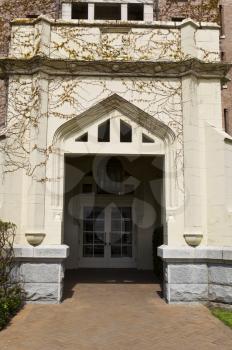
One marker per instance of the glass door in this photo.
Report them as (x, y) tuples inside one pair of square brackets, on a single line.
[(121, 232), (107, 238), (93, 239), (121, 237)]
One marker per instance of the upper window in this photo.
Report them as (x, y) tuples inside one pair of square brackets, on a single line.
[(135, 12), (107, 11), (80, 10), (103, 10)]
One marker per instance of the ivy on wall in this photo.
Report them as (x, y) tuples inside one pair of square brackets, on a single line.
[(24, 95)]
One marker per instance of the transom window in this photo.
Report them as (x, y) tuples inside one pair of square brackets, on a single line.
[(104, 131), (104, 134)]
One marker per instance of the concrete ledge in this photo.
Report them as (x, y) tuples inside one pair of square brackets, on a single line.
[(44, 251), (200, 253)]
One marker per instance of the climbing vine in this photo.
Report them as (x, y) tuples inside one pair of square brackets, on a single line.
[(22, 146)]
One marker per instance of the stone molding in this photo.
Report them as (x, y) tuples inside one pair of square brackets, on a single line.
[(156, 69), (111, 103), (188, 254)]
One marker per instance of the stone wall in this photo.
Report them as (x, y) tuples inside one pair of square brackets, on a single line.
[(163, 10), (209, 12), (41, 272), (7, 13), (197, 274)]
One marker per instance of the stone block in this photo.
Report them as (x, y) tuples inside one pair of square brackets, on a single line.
[(188, 274), (43, 292), (220, 293), (41, 273), (187, 292), (220, 274)]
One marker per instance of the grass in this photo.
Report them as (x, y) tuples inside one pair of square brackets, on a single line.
[(224, 315)]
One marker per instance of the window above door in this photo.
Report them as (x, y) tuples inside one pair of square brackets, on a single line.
[(132, 10), (124, 130)]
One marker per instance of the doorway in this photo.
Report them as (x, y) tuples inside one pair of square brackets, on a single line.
[(113, 207)]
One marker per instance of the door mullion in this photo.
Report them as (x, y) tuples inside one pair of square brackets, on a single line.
[(107, 230)]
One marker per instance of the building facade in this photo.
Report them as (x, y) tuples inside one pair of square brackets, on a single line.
[(114, 133), (219, 11)]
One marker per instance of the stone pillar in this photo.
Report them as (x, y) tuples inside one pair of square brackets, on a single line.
[(35, 183), (202, 274), (41, 271), (194, 160)]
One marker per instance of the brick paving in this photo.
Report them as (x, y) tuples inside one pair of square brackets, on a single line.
[(114, 310)]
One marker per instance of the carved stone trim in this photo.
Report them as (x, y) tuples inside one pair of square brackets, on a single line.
[(159, 69), (115, 102)]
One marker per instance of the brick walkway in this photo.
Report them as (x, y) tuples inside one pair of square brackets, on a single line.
[(118, 311)]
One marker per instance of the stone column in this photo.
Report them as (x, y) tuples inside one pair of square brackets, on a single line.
[(41, 271), (194, 160), (35, 183)]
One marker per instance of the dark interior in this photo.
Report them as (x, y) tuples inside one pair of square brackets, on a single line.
[(80, 10), (135, 12), (107, 11)]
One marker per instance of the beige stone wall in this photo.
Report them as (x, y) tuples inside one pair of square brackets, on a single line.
[(10, 9), (169, 9)]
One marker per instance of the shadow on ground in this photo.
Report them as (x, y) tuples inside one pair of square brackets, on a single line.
[(73, 278)]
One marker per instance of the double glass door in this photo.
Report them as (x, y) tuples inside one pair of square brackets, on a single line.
[(107, 238)]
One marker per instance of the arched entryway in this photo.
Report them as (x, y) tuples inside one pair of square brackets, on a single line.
[(112, 163)]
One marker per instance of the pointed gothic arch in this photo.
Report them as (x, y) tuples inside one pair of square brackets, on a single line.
[(71, 130), (106, 106)]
